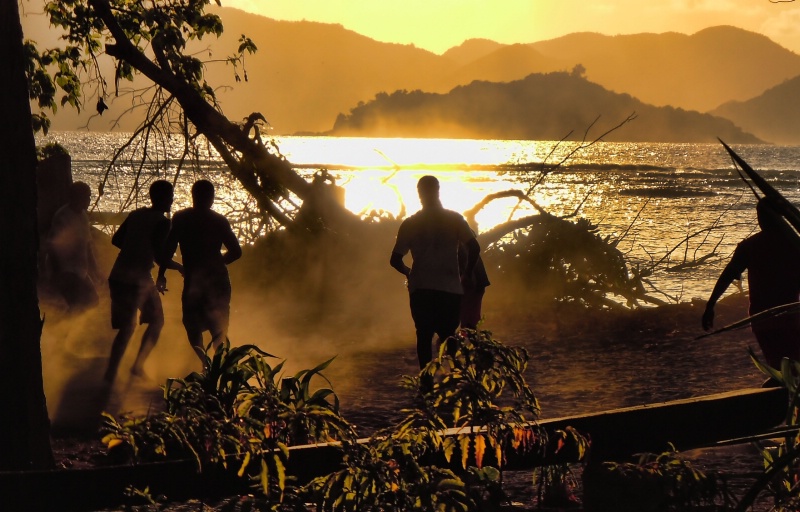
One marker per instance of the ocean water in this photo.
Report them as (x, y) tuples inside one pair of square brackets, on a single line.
[(666, 206)]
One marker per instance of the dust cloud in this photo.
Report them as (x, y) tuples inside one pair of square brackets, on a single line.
[(301, 297)]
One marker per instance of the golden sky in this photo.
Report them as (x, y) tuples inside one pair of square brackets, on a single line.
[(437, 25)]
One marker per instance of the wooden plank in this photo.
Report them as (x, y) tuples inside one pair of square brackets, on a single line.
[(689, 423), (616, 434)]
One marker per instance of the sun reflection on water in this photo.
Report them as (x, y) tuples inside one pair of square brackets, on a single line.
[(652, 195)]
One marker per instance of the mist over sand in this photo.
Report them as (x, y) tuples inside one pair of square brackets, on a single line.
[(302, 300)]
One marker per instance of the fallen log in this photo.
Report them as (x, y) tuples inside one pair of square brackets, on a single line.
[(615, 434)]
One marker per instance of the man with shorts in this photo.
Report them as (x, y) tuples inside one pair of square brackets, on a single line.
[(141, 239), (201, 233), (70, 252), (773, 276), (435, 279)]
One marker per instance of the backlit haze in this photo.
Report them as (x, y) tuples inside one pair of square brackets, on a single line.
[(440, 25), (434, 26)]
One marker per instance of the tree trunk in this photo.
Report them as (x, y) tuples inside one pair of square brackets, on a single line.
[(24, 424), (256, 166)]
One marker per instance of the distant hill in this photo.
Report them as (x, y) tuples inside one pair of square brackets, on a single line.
[(540, 107), (504, 64), (471, 50), (773, 116), (305, 74), (694, 72)]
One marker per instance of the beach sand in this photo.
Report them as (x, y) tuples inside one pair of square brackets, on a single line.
[(580, 362)]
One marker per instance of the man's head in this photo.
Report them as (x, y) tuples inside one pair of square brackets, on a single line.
[(80, 196), (203, 194), (161, 195), (767, 213), (428, 190)]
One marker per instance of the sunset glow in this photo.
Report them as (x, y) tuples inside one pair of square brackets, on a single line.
[(438, 26)]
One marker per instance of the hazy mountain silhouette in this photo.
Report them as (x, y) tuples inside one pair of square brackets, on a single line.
[(471, 50), (504, 64), (306, 73), (773, 116), (542, 106), (696, 72)]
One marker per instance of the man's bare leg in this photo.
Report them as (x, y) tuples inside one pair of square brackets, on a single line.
[(149, 339), (118, 350)]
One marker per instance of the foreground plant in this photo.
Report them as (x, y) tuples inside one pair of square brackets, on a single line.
[(663, 481), (780, 478), (239, 412), (477, 389)]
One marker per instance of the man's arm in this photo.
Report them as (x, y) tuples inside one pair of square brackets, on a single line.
[(396, 261), (473, 251), (119, 237), (164, 258), (233, 251), (733, 270)]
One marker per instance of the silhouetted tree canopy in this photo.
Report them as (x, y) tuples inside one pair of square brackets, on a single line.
[(153, 39)]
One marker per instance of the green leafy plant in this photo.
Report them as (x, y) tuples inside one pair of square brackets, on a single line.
[(663, 482), (238, 412), (781, 475), (51, 149), (555, 483), (387, 474), (243, 413), (477, 387)]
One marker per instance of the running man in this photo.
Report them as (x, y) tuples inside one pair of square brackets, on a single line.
[(201, 234), (70, 252), (141, 239), (773, 277)]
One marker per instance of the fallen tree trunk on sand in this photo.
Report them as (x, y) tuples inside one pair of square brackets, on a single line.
[(615, 435)]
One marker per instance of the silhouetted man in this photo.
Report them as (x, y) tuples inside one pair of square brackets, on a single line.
[(201, 234), (432, 235), (140, 238), (474, 289), (773, 277), (70, 251)]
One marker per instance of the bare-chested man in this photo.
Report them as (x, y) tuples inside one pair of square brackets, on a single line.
[(774, 280), (140, 238), (201, 234)]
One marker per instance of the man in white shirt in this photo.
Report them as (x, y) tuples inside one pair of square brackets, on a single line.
[(432, 235)]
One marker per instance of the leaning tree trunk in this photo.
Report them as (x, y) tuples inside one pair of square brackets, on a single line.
[(256, 165), (24, 424)]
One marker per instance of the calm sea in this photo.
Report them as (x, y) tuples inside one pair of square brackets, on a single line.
[(666, 205)]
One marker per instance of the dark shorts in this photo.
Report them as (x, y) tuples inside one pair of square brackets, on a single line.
[(778, 337), (78, 291), (127, 299), (206, 304), (435, 312), (471, 308)]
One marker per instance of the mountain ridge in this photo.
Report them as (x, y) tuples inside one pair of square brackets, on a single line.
[(551, 106), (308, 73)]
